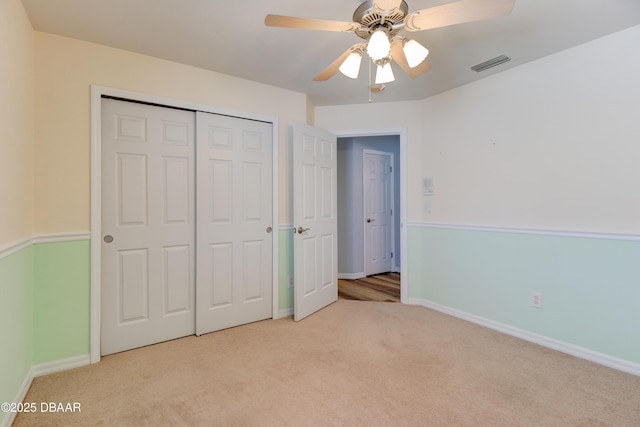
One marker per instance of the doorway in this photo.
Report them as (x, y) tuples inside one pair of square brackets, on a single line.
[(353, 211)]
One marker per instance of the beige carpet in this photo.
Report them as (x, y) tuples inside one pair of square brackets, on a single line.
[(352, 364)]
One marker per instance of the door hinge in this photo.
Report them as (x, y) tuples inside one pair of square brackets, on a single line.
[(392, 212), (391, 169), (391, 254)]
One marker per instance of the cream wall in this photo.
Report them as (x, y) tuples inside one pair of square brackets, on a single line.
[(551, 144), (16, 123), (384, 116), (65, 69)]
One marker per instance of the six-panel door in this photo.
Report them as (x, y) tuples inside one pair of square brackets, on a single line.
[(152, 288), (148, 213)]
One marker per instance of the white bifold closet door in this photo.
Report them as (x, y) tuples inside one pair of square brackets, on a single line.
[(148, 219), (235, 222), (174, 265)]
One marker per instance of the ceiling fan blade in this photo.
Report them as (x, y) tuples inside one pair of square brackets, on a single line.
[(309, 24), (388, 4), (332, 69), (458, 13), (399, 57)]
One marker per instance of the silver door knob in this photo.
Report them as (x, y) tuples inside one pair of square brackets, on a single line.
[(108, 238), (302, 230), (370, 220)]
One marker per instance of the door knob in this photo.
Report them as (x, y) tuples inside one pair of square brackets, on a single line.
[(302, 230), (108, 238), (370, 220)]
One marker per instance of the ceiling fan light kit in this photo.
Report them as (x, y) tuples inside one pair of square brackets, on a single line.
[(379, 45), (351, 66), (378, 22), (415, 52), (384, 74)]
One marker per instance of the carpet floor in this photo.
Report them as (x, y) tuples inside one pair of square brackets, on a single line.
[(353, 363)]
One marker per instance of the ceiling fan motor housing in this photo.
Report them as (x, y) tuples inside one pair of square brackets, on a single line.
[(371, 18)]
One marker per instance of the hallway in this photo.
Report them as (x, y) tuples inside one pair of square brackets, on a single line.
[(380, 287)]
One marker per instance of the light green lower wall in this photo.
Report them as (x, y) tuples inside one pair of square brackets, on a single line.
[(61, 301), (590, 287), (16, 320), (590, 290), (285, 270), (44, 310)]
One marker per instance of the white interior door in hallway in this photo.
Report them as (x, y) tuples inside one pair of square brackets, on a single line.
[(378, 211), (315, 217), (151, 289)]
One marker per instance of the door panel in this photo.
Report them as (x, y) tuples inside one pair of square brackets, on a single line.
[(315, 215), (378, 212), (133, 285), (234, 241), (177, 273), (147, 281)]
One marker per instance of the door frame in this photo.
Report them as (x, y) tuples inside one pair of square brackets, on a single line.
[(97, 92), (401, 133), (364, 202)]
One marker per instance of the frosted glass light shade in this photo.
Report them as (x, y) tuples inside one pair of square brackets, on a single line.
[(384, 74), (351, 66), (415, 52), (379, 45)]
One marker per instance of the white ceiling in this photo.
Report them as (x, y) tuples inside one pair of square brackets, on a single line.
[(230, 37)]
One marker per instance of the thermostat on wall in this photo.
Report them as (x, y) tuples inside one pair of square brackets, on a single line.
[(427, 186)]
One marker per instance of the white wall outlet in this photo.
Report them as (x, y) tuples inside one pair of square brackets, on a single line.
[(291, 282), (535, 299), (426, 208)]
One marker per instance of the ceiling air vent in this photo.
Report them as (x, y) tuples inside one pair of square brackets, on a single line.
[(491, 63)]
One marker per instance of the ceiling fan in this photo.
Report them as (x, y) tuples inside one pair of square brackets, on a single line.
[(378, 23)]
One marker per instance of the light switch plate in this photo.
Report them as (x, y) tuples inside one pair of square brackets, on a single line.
[(427, 186)]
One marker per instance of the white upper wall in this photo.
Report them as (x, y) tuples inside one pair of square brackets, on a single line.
[(552, 144), (65, 70), (383, 116), (16, 123)]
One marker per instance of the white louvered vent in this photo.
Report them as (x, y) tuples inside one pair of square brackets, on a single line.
[(491, 63)]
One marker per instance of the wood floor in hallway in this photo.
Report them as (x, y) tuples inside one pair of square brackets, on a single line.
[(380, 287)]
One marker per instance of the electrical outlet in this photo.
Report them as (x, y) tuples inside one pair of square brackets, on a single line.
[(535, 299)]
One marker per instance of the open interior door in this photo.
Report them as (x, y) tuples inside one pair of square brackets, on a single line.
[(314, 219)]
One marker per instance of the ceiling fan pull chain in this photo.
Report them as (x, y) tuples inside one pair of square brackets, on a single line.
[(369, 87)]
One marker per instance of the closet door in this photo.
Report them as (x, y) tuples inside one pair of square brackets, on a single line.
[(148, 220), (234, 222)]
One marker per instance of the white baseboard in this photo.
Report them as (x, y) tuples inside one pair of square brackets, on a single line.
[(571, 349), (22, 393), (60, 365), (40, 370), (350, 276), (285, 313), (356, 276)]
